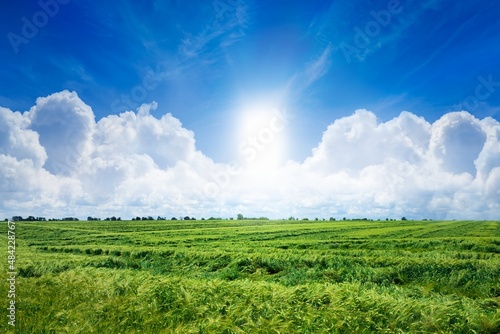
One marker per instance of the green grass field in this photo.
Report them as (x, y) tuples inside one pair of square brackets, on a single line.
[(255, 277)]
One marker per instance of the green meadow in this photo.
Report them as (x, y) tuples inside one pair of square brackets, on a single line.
[(249, 276)]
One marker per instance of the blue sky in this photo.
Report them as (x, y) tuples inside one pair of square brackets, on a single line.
[(208, 55), (213, 74)]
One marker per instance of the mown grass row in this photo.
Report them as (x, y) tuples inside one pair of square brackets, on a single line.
[(469, 277), (295, 233)]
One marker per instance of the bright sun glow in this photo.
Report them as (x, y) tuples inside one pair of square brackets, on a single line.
[(261, 137)]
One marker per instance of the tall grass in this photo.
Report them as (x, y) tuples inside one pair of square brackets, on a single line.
[(256, 277)]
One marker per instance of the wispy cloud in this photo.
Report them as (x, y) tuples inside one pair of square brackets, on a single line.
[(391, 102), (311, 72), (342, 23), (318, 68), (223, 29), (443, 46)]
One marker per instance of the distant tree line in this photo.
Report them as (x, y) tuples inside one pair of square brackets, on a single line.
[(113, 218), (28, 219), (241, 217), (163, 218), (41, 219), (238, 217)]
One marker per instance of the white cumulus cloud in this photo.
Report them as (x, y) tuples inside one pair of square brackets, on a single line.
[(18, 141), (56, 160)]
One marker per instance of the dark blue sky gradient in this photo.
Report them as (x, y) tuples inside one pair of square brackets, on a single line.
[(205, 56)]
